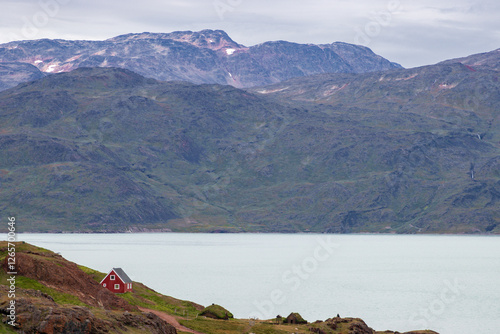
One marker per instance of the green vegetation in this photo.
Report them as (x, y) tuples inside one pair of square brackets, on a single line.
[(28, 283), (144, 297), (24, 247), (295, 318), (6, 329), (96, 275), (216, 312), (59, 297), (108, 150), (211, 326)]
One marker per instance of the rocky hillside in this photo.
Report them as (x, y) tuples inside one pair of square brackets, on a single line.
[(432, 131), (405, 151), (54, 295), (489, 60), (12, 74), (207, 56)]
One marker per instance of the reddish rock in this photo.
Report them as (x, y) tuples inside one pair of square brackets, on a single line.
[(59, 274)]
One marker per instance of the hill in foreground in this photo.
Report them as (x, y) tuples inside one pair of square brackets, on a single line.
[(54, 295)]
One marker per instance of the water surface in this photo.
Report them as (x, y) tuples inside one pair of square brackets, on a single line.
[(401, 282)]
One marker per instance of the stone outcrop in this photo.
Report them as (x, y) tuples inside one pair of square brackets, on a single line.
[(38, 313), (207, 56), (59, 274), (68, 300)]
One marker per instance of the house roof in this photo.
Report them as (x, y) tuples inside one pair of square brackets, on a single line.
[(124, 277), (120, 273)]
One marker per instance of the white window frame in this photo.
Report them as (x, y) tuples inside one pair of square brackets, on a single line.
[(112, 277), (117, 286), (104, 284)]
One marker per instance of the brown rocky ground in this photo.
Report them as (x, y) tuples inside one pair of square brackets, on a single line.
[(53, 271), (351, 326), (170, 319), (96, 311), (38, 313)]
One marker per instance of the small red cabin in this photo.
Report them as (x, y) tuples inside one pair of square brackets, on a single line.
[(117, 281)]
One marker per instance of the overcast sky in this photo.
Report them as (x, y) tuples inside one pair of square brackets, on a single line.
[(409, 32)]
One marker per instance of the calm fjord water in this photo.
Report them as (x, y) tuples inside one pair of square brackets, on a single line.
[(450, 284)]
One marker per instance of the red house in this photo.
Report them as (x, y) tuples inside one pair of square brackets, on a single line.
[(117, 281)]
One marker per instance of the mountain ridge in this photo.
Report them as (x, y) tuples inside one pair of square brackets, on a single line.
[(486, 59), (112, 151), (13, 73), (207, 56)]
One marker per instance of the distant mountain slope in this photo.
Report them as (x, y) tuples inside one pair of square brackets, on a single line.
[(405, 151), (14, 73), (465, 100), (487, 59), (460, 92), (207, 56)]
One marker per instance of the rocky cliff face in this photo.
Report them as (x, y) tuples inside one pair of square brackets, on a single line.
[(207, 56), (80, 305), (351, 326), (64, 276), (38, 313)]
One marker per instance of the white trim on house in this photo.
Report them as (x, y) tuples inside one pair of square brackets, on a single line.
[(117, 272), (106, 276), (117, 286)]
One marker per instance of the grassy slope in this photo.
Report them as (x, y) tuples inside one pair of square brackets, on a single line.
[(142, 296), (107, 150)]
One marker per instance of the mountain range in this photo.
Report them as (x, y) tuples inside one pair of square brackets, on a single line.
[(394, 151), (207, 56)]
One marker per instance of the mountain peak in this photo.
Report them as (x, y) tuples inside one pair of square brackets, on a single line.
[(210, 39), (206, 56)]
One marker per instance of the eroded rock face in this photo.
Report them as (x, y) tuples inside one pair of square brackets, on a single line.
[(360, 327), (38, 313), (208, 56), (148, 322), (55, 272)]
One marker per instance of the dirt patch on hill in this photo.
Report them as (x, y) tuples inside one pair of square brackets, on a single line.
[(170, 319)]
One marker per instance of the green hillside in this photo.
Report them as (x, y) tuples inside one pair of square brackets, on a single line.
[(405, 151)]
